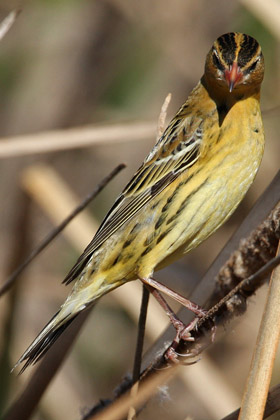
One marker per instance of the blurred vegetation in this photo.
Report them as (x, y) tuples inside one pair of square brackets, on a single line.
[(70, 63)]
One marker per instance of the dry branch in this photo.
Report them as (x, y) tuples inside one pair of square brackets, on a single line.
[(253, 253), (122, 405), (73, 138), (255, 395), (56, 231)]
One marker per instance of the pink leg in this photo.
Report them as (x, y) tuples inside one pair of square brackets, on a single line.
[(176, 296), (182, 330), (180, 327)]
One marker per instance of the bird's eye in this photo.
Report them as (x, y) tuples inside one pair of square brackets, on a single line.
[(253, 66), (217, 62)]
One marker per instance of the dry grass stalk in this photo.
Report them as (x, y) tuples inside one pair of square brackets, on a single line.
[(44, 185), (62, 225), (162, 115), (73, 138), (255, 395), (122, 405)]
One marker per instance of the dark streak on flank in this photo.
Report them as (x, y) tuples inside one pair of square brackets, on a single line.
[(118, 259), (127, 257), (128, 242), (190, 239), (147, 250), (184, 203), (160, 221), (149, 239), (169, 201), (164, 234)]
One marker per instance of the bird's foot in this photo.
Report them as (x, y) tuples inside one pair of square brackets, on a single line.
[(184, 334)]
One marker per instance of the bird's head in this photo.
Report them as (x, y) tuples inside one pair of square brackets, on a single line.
[(235, 63)]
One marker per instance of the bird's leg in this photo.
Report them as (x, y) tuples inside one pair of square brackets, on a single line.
[(175, 321), (196, 309), (182, 330)]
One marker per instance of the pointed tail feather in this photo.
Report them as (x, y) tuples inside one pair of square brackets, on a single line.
[(44, 341)]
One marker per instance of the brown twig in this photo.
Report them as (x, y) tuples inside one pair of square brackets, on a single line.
[(52, 235), (162, 115), (122, 404), (139, 348), (73, 138), (141, 333), (258, 381)]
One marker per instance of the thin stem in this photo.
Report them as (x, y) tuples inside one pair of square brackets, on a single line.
[(267, 268), (141, 334), (45, 242), (258, 380), (139, 350)]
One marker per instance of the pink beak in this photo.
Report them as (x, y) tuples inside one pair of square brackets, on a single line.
[(233, 75)]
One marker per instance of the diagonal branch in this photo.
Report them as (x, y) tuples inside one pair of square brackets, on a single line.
[(55, 232)]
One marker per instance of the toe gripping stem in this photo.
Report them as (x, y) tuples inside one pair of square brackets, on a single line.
[(182, 330)]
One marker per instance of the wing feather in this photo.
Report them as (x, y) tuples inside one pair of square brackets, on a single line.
[(176, 150)]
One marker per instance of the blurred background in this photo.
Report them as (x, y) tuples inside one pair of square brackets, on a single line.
[(67, 64)]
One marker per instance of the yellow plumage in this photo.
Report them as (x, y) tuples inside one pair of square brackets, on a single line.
[(190, 183)]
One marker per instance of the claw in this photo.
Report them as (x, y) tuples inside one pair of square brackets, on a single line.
[(184, 333), (171, 355)]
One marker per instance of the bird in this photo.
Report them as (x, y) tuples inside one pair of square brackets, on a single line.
[(186, 188)]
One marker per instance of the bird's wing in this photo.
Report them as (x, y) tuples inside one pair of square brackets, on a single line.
[(176, 150)]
